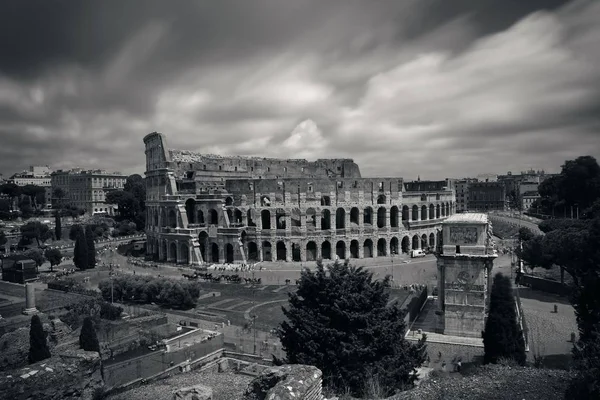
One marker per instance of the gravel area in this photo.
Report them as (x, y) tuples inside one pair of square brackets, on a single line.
[(225, 386)]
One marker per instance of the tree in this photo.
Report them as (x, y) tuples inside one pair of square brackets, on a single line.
[(36, 255), (59, 194), (136, 186), (36, 230), (91, 247), (503, 338), (38, 346), (88, 340), (57, 226), (34, 192), (54, 257), (26, 208), (525, 234), (11, 191), (339, 321), (80, 254), (3, 238), (126, 202)]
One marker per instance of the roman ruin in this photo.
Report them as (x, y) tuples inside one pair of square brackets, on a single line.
[(205, 208)]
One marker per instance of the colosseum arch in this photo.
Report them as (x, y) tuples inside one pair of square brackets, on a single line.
[(415, 212), (280, 218), (311, 219), (354, 216), (381, 217), (156, 218), (250, 217), (431, 211), (164, 249), (416, 242), (237, 216), (184, 253), (394, 246), (203, 240), (424, 241), (368, 216), (405, 213), (172, 219), (214, 252), (229, 253), (447, 206), (200, 218), (213, 217), (267, 251), (381, 247), (432, 240), (281, 251), (311, 251), (296, 252), (252, 252), (326, 250), (229, 201), (406, 244), (340, 249), (296, 217), (354, 249), (368, 248), (325, 219), (340, 218), (190, 209), (394, 216), (381, 199), (173, 251), (325, 201), (265, 219), (424, 213), (437, 211)]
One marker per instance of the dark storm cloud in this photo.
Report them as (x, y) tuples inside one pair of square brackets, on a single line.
[(81, 82)]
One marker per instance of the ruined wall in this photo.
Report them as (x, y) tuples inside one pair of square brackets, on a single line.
[(298, 382)]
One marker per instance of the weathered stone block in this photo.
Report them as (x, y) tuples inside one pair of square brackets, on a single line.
[(198, 392)]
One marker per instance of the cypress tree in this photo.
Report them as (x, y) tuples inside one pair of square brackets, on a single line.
[(88, 340), (57, 226), (38, 347), (91, 246), (503, 337), (80, 255)]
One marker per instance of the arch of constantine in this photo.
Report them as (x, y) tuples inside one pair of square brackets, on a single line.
[(212, 209)]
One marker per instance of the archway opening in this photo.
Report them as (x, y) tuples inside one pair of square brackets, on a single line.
[(340, 218), (296, 253), (394, 216), (325, 220), (423, 213), (252, 251), (424, 241), (431, 211), (200, 217), (172, 219), (354, 216), (381, 199), (368, 216), (173, 252), (184, 254), (229, 201), (326, 250), (311, 219), (415, 213), (311, 251), (265, 219), (280, 218), (381, 248), (354, 249), (229, 253), (432, 240), (405, 214), (368, 249), (405, 244), (213, 217), (381, 215), (215, 252), (340, 250), (190, 209), (281, 251), (267, 251), (394, 246), (415, 242)]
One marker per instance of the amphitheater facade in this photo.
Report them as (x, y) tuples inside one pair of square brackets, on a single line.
[(211, 209)]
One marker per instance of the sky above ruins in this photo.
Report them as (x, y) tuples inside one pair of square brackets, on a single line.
[(434, 88)]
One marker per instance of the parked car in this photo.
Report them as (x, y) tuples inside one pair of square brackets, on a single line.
[(417, 253)]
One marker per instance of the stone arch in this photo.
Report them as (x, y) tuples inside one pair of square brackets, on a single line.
[(354, 249), (281, 251), (368, 248), (415, 212), (431, 211), (325, 201), (340, 218), (416, 242), (280, 218), (252, 251), (265, 218), (311, 251), (172, 219), (296, 252), (237, 216), (354, 216), (394, 246), (424, 212), (267, 251), (340, 249), (200, 217), (190, 209), (229, 253), (432, 240), (311, 219), (325, 219), (249, 217), (163, 218), (394, 216), (368, 216), (437, 211), (381, 199), (213, 217), (381, 248), (405, 244), (296, 217), (173, 252), (381, 217), (405, 213), (184, 253), (423, 197), (326, 250), (424, 241), (214, 252), (229, 201)]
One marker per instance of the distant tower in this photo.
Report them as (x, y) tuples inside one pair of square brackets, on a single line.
[(464, 274)]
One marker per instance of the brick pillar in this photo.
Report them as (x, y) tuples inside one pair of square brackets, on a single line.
[(288, 251), (274, 220), (361, 249), (260, 250), (317, 221), (361, 218)]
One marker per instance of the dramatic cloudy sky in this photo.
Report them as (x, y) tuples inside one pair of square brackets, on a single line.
[(435, 88)]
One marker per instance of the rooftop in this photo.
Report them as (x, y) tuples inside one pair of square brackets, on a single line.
[(467, 218)]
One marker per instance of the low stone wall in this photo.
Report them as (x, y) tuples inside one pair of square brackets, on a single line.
[(297, 382), (544, 285)]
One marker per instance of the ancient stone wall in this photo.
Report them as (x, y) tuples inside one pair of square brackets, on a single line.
[(298, 382)]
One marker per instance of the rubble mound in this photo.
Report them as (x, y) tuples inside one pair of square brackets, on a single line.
[(493, 382), (286, 382)]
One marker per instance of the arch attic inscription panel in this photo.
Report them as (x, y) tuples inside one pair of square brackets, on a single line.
[(464, 274)]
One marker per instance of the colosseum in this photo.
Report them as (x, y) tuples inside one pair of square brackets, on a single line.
[(211, 209)]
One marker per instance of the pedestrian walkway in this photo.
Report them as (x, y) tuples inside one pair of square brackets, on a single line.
[(242, 303), (279, 289), (219, 303)]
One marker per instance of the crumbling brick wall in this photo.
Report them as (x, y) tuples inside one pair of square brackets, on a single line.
[(298, 382)]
